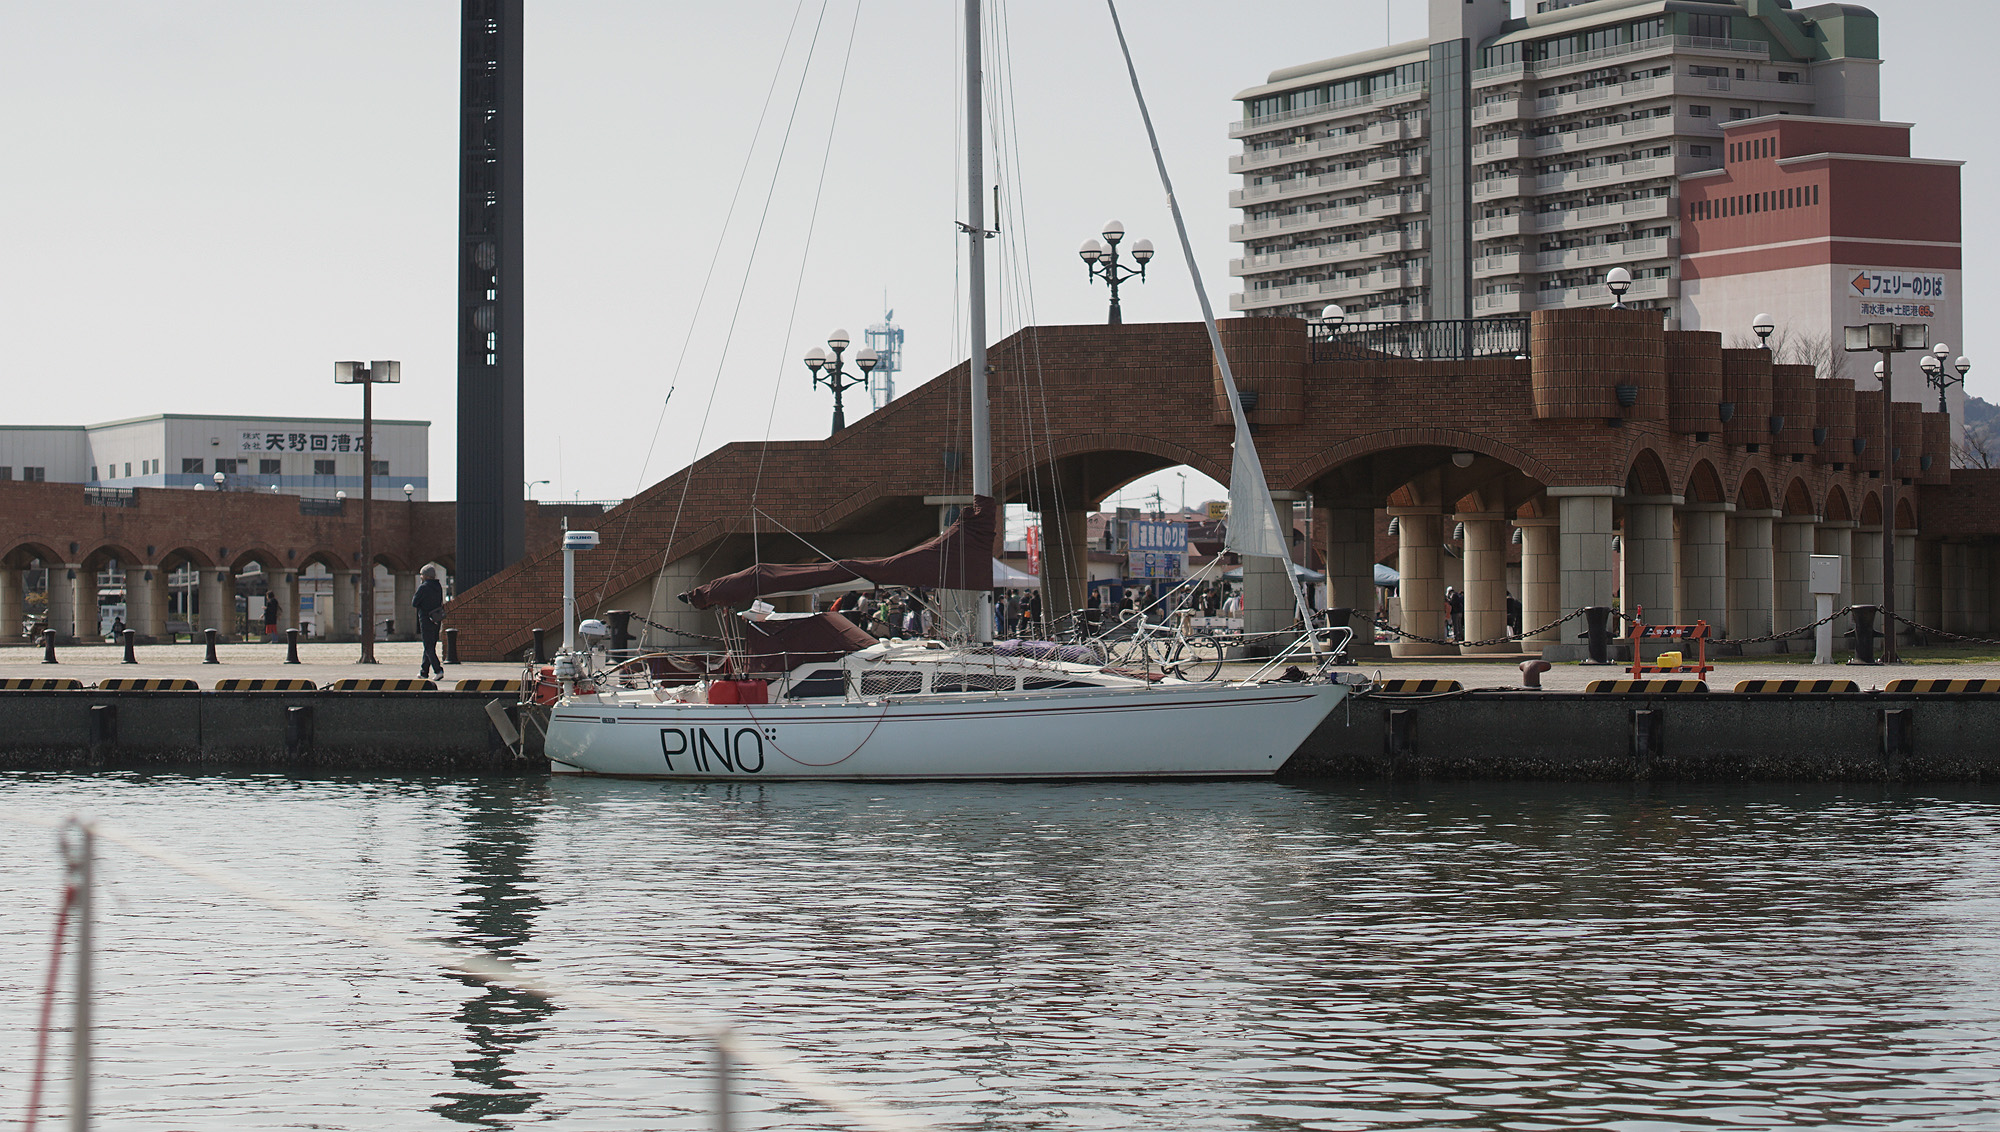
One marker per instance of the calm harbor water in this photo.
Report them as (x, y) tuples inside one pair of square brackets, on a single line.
[(1157, 956)]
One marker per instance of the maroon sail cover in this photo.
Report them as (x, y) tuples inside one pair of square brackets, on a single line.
[(960, 558), (783, 643)]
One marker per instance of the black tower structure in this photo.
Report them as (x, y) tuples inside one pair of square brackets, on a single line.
[(491, 515)]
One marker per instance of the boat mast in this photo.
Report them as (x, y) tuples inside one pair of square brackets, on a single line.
[(975, 230)]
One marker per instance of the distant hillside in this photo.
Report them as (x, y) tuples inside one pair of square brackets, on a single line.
[(1982, 435)]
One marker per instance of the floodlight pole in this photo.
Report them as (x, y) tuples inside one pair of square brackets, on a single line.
[(1889, 651)]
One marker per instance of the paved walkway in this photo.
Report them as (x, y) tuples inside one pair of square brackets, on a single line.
[(319, 663)]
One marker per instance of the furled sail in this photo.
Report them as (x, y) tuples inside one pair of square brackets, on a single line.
[(960, 558)]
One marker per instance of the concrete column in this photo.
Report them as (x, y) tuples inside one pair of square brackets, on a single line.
[(85, 604), (405, 587), (1486, 581), (1589, 573), (218, 600), (1065, 564), (284, 587), (146, 601), (1269, 605), (1649, 556), (1837, 539), (1750, 601), (1347, 542), (346, 606), (1930, 583), (1541, 580), (1420, 536), (1867, 588), (1704, 555), (12, 591), (61, 594), (1792, 600), (1906, 578), (1965, 589)]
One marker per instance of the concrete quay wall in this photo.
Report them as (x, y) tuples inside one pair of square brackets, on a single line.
[(316, 732), (1678, 737)]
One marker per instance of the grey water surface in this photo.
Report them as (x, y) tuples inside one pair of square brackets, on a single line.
[(1048, 956)]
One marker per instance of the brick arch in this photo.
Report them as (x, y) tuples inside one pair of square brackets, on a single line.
[(394, 563), (1906, 514), (1704, 484), (265, 556), (1798, 498), (1754, 494), (1330, 458), (1837, 508), (1871, 509), (1016, 471), (193, 556), (326, 556), (101, 554), (1647, 474), (25, 551)]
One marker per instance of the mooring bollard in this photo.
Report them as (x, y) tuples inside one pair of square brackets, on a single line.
[(130, 636), (291, 646), (48, 646), (621, 629), (1864, 634), (1597, 627), (1531, 672), (209, 635), (451, 646), (541, 646)]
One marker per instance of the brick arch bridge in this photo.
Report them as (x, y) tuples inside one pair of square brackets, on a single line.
[(1719, 472)]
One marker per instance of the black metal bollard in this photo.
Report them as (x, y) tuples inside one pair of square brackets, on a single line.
[(451, 646), (1597, 627), (1864, 634), (130, 636), (209, 635), (621, 629), (541, 646), (291, 646), (48, 646)]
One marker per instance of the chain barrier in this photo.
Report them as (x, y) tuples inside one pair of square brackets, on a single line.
[(1784, 636), (1535, 632), (676, 632), (1927, 631)]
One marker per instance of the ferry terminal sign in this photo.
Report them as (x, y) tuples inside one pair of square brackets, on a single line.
[(1898, 294)]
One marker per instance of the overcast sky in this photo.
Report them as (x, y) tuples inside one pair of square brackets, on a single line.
[(206, 202)]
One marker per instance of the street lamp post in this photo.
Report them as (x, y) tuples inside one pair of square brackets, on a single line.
[(832, 373), (1889, 339), (1619, 281), (1934, 372), (1100, 259), (367, 376)]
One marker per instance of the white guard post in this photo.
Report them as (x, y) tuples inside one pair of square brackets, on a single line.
[(573, 541), (1825, 585)]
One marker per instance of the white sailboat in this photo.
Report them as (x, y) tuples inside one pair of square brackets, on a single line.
[(811, 698)]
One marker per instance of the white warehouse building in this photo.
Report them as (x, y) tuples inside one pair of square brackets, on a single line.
[(312, 457)]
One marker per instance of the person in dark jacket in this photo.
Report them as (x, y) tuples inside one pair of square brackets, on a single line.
[(429, 604)]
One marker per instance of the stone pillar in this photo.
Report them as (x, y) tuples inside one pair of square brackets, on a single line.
[(1750, 566), (1906, 579), (218, 600), (1867, 587), (1541, 580), (1704, 555), (1792, 603), (1486, 581), (89, 621), (674, 579), (1965, 589), (404, 584), (1930, 583), (12, 591), (1065, 564), (284, 586), (1649, 557), (1589, 573), (1348, 545), (146, 601), (1837, 539), (346, 624), (61, 593), (1420, 537), (1269, 605)]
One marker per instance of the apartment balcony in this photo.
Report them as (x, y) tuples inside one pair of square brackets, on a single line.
[(1511, 302), (1504, 263), (1496, 187), (1328, 111), (1608, 255), (1598, 215), (1395, 205), (1327, 218), (1614, 133), (1385, 243), (1343, 291), (1494, 226), (1583, 99), (1723, 87), (1294, 187), (1494, 113), (1601, 176), (1598, 295), (1502, 149), (1591, 60)]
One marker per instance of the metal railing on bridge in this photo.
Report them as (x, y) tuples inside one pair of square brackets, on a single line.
[(111, 496), (1439, 340)]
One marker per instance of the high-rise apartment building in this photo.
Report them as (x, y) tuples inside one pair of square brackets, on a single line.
[(1505, 163)]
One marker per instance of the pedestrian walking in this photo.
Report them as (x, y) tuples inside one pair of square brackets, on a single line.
[(429, 604)]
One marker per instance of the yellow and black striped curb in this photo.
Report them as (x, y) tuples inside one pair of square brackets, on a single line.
[(265, 684), (147, 684), (1934, 687), (1647, 686), (1844, 687), (1415, 687), (40, 684), (487, 685), (366, 684)]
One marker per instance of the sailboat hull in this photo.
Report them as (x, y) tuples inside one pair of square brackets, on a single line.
[(1212, 731)]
